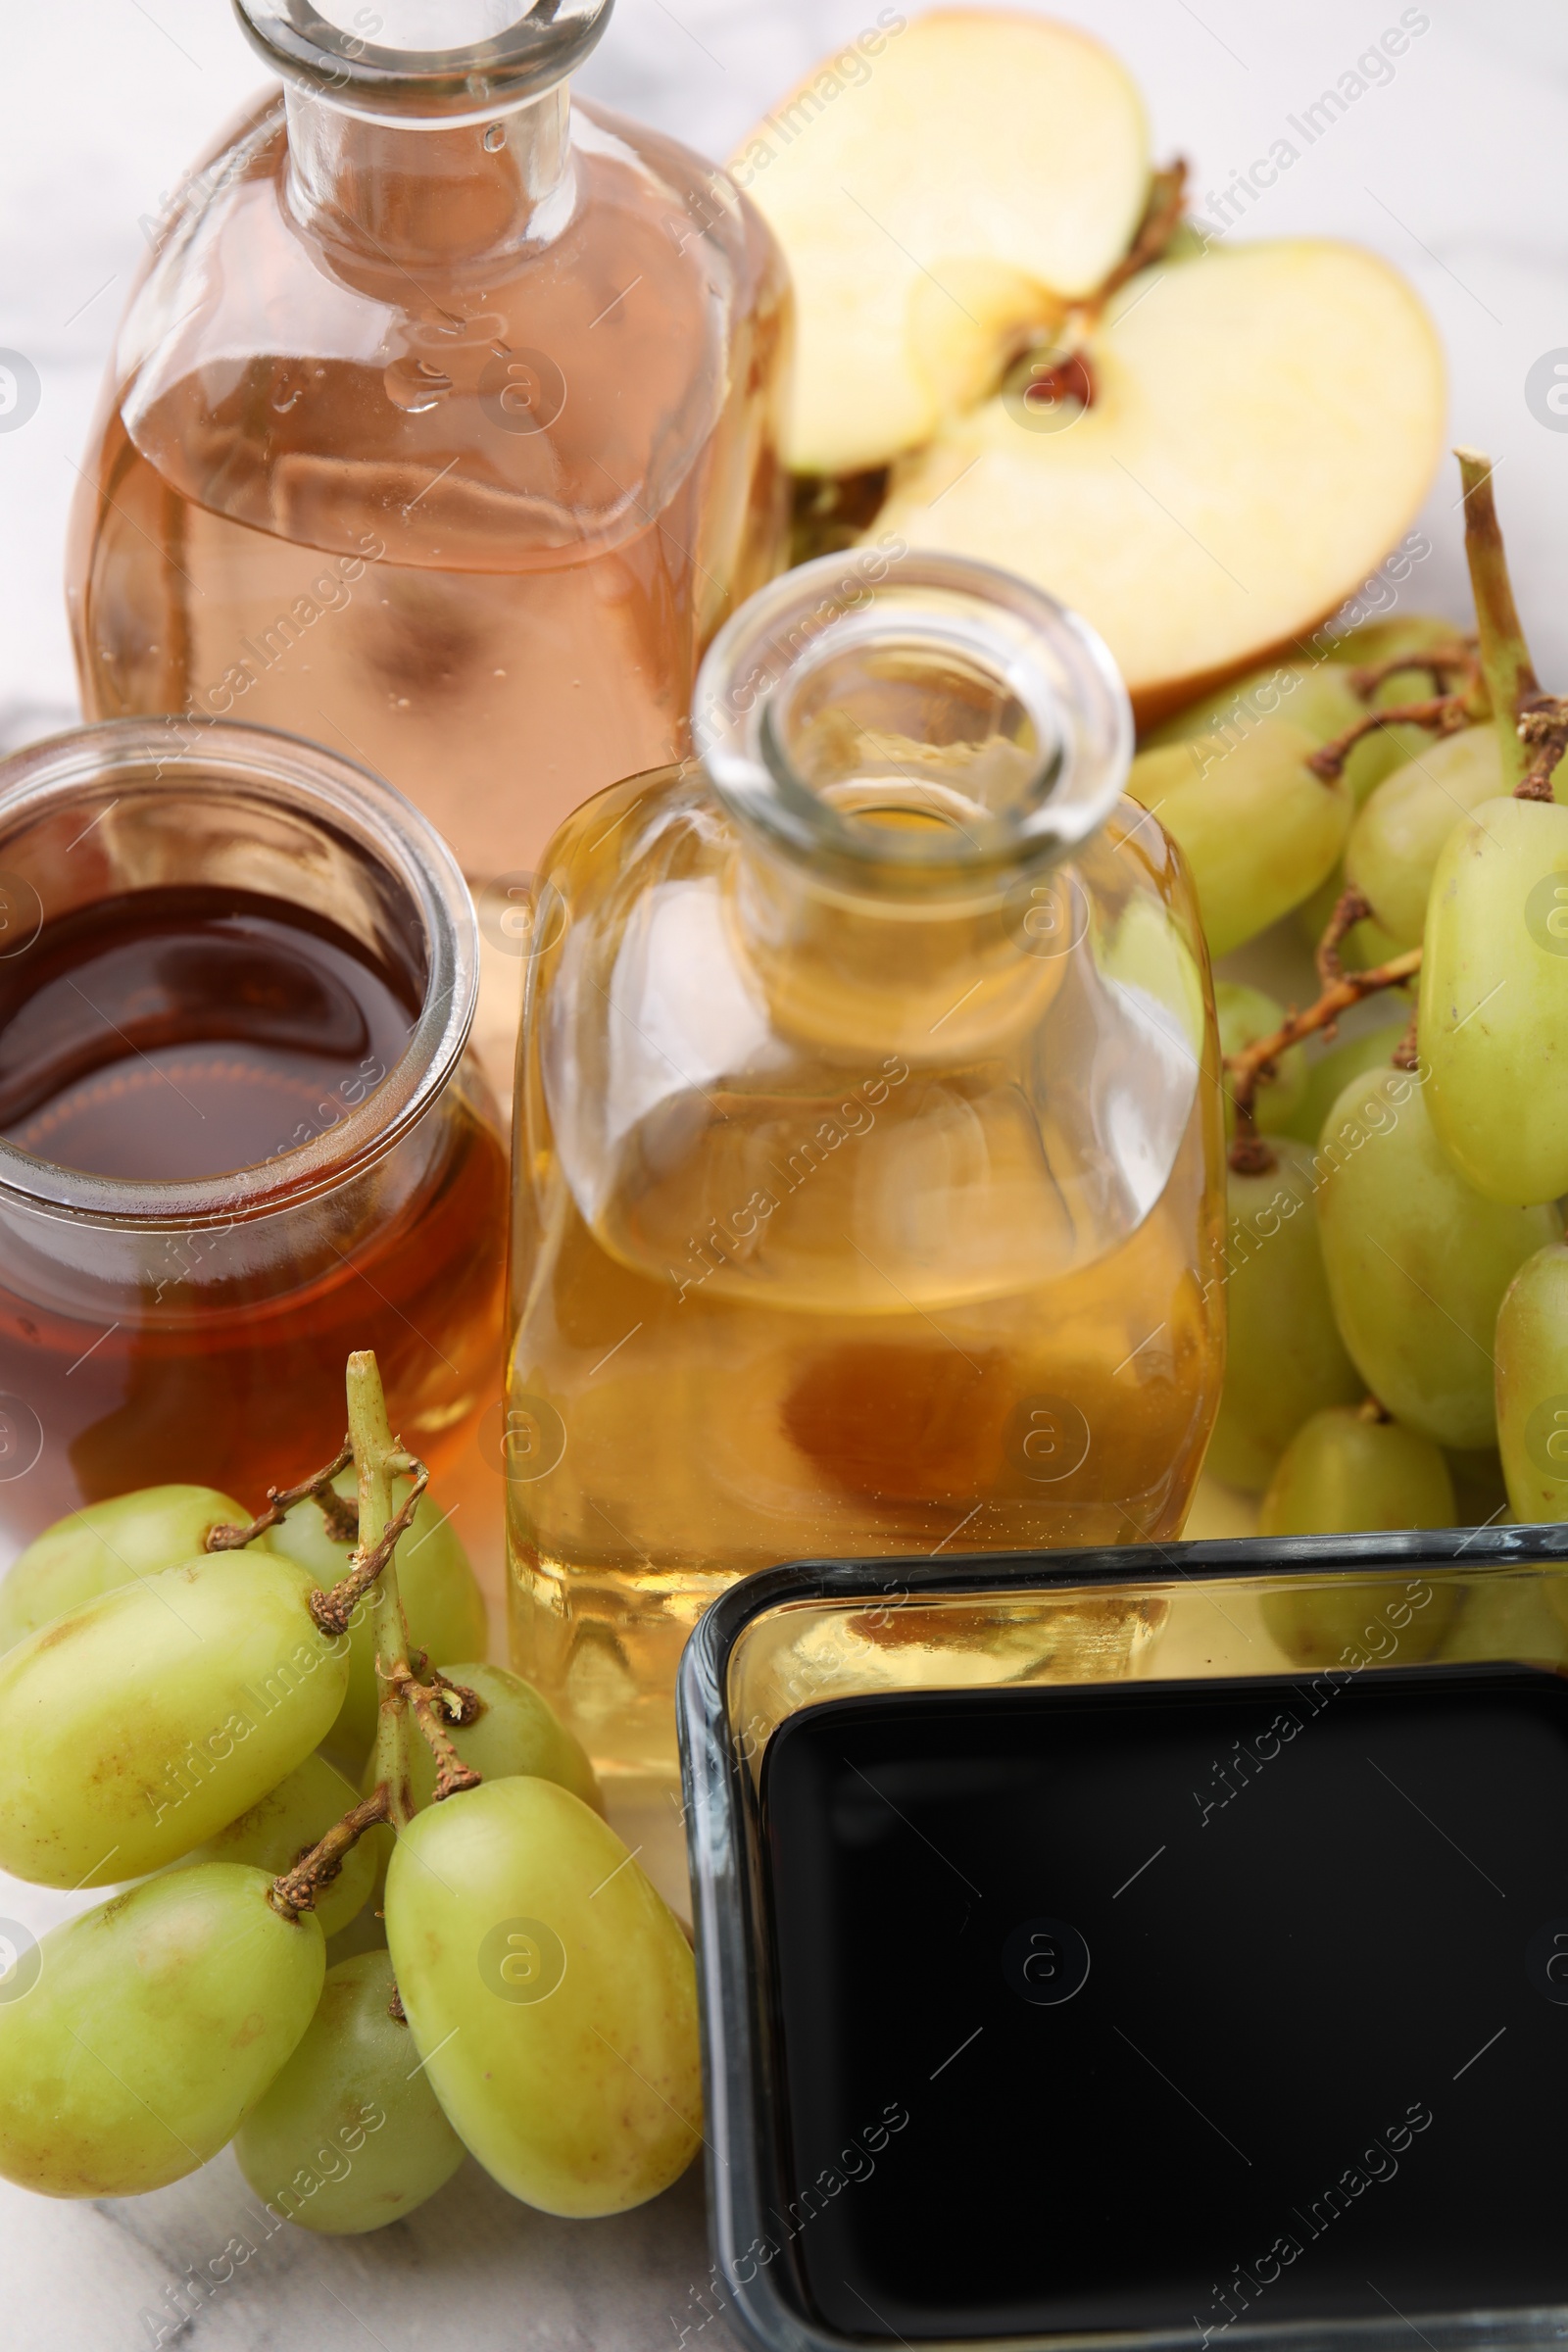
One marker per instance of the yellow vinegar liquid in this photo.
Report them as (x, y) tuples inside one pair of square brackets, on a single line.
[(840, 1236), (666, 1441)]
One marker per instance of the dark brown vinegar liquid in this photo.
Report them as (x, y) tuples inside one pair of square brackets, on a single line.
[(188, 1033), (191, 1032)]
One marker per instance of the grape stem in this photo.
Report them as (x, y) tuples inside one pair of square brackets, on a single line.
[(429, 1702), (378, 1459), (1442, 713), (1544, 731), (297, 1889), (1532, 727), (280, 1500), (1349, 908), (1441, 663), (1249, 1154), (1511, 681), (463, 1705), (332, 1610)]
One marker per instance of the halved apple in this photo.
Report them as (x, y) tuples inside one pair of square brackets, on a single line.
[(942, 189), (1263, 423)]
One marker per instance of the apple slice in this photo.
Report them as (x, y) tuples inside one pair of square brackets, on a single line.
[(1263, 424), (940, 190)]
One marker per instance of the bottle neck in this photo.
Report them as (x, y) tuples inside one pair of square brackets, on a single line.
[(861, 973), (430, 192), (910, 747)]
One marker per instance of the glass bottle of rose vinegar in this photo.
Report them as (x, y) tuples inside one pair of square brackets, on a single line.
[(868, 1161), (441, 426)]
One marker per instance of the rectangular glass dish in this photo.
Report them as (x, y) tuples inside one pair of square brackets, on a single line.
[(1185, 1921)]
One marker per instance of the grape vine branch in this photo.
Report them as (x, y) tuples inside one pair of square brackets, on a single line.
[(280, 1500), (1250, 1154), (1489, 676), (431, 1705)]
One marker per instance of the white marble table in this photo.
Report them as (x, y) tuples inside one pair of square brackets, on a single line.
[(1457, 171)]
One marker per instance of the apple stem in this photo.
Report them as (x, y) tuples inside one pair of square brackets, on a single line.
[(1510, 675), (1162, 217)]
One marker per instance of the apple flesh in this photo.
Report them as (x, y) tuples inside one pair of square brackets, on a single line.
[(939, 201), (1264, 425)]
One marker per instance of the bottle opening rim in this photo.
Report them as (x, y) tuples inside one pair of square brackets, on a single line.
[(809, 648), (402, 80), (91, 769)]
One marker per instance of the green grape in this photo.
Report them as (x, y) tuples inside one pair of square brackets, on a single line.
[(1396, 839), (517, 1915), (1315, 696), (1493, 1025), (153, 2026), (1311, 917), (1331, 1073), (1318, 697), (1342, 1474), (110, 1544), (1284, 1357), (1384, 752), (518, 1732), (1480, 1495), (440, 1593), (148, 1719), (1377, 641), (366, 1930), (1246, 1015), (349, 2136), (272, 1834), (1258, 828), (1532, 1349), (1509, 1615), (1365, 944), (1417, 1262)]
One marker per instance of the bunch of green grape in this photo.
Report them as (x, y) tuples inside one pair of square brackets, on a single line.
[(485, 1969), (1396, 1274)]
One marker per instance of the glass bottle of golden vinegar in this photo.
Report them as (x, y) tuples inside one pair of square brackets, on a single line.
[(441, 426), (868, 1166)]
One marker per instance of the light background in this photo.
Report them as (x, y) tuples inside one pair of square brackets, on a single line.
[(1457, 172)]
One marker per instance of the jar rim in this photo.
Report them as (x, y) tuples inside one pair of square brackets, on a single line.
[(469, 82), (339, 795), (1057, 669)]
